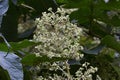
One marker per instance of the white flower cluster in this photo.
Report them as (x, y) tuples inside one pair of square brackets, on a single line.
[(83, 73), (59, 37)]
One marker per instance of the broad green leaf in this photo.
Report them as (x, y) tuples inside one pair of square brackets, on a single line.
[(94, 9), (102, 15), (23, 44), (99, 30), (101, 4), (3, 47), (117, 69), (31, 59), (82, 15), (114, 21), (111, 42), (18, 45), (111, 5), (4, 74), (115, 65), (77, 3), (27, 74), (96, 50)]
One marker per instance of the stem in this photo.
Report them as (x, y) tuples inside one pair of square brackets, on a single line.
[(6, 42), (68, 71)]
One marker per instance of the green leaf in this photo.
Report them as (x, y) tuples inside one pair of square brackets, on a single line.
[(99, 30), (27, 74), (111, 42), (99, 8), (102, 15), (31, 59), (4, 74), (111, 5), (77, 3), (117, 69), (23, 44), (94, 50), (3, 47), (18, 45), (82, 15)]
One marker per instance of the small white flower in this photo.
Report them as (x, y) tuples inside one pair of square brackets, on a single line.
[(50, 9), (57, 34)]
